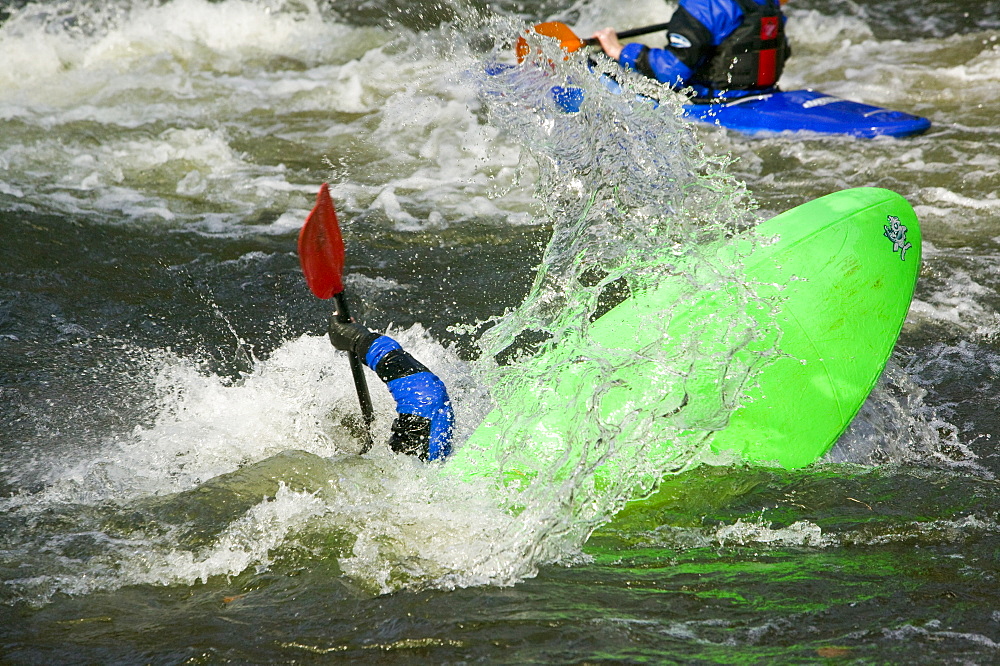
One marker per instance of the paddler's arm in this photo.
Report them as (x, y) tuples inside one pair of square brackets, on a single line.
[(660, 64), (695, 29), (425, 420)]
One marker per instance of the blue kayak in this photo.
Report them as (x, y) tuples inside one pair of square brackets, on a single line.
[(806, 111), (767, 113)]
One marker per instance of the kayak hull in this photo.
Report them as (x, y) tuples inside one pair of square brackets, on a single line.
[(781, 111), (841, 268), (806, 111)]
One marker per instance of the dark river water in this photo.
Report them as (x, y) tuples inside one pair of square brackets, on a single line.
[(178, 478)]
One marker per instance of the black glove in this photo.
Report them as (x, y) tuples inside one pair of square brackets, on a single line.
[(350, 337)]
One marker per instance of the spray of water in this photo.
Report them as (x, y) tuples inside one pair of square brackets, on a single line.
[(633, 203)]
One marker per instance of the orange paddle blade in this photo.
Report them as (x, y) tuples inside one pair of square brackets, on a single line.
[(567, 39), (321, 248)]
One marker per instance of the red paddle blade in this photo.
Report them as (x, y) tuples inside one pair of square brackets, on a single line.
[(321, 248)]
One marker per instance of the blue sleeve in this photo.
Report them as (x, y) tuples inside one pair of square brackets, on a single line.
[(426, 419), (379, 349), (665, 66), (697, 27), (424, 395)]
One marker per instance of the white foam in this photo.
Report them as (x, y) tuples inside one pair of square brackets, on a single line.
[(990, 204), (245, 543), (815, 33), (911, 634), (800, 533), (411, 527), (156, 84)]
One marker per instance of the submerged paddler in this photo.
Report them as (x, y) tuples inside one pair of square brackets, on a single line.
[(722, 49), (425, 421)]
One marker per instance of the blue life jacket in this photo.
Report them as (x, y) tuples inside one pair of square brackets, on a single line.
[(721, 48)]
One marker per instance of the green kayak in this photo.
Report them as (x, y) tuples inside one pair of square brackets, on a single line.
[(830, 284)]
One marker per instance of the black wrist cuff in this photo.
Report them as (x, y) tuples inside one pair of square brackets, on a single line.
[(398, 364), (362, 344)]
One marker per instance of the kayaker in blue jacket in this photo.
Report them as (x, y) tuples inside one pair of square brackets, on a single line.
[(721, 48), (425, 421)]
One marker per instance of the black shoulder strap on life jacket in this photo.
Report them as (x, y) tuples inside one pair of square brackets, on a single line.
[(753, 56)]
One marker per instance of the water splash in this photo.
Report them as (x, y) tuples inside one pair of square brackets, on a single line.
[(633, 202), (229, 475)]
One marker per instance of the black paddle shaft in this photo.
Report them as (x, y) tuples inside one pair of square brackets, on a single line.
[(358, 370), (634, 32)]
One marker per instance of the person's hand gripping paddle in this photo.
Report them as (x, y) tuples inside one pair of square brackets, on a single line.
[(321, 252), (568, 40)]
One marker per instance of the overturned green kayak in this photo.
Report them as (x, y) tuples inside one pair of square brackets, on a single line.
[(834, 279)]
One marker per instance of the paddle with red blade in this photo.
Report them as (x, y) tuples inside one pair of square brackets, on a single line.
[(321, 252), (570, 42)]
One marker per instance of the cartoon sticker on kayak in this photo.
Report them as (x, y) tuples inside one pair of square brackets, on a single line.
[(896, 232)]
